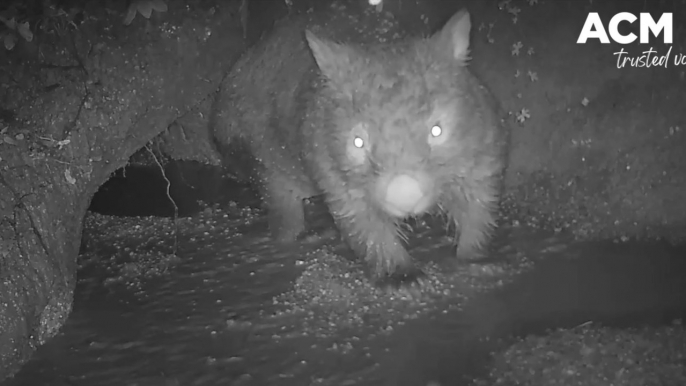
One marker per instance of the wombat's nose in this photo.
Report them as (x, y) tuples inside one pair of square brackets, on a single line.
[(405, 195)]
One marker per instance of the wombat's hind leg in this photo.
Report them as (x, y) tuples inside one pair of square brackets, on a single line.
[(286, 214)]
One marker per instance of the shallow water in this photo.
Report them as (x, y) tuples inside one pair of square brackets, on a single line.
[(209, 320)]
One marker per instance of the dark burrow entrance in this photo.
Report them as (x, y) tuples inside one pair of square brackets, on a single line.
[(143, 190)]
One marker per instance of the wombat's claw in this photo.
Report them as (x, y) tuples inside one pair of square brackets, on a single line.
[(469, 257), (285, 237), (476, 258), (316, 239), (407, 283), (308, 236)]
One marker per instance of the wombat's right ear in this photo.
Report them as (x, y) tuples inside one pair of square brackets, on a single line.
[(453, 39), (333, 59)]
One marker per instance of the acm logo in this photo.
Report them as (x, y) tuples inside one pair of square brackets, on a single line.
[(594, 28)]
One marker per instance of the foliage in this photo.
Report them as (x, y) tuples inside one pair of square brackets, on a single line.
[(25, 19), (145, 8), (22, 20)]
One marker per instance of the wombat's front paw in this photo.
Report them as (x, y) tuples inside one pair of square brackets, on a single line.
[(313, 237), (285, 235), (409, 281), (283, 231), (475, 257)]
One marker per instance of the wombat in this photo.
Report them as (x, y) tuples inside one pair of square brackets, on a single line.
[(385, 131)]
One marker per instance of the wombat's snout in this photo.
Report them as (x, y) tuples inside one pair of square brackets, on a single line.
[(404, 195)]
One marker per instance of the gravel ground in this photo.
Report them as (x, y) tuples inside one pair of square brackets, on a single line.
[(595, 355)]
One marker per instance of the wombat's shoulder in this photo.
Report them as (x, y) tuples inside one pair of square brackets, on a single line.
[(284, 50), (272, 56), (262, 75)]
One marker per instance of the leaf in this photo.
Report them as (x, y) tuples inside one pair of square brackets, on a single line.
[(145, 8), (10, 23), (68, 177), (25, 31), (130, 13), (9, 140), (9, 41), (158, 5), (63, 142)]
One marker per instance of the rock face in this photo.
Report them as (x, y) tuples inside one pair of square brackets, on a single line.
[(75, 110)]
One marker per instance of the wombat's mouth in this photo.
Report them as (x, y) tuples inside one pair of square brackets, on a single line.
[(404, 195)]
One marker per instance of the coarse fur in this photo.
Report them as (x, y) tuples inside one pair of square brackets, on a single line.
[(385, 132)]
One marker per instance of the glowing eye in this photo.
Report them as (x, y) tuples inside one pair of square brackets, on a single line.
[(436, 131), (358, 142), (358, 145)]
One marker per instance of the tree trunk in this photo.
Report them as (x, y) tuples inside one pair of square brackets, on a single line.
[(78, 101)]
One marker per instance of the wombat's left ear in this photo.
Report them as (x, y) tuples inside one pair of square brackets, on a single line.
[(336, 61), (453, 39)]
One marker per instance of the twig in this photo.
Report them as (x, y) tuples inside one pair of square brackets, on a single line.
[(243, 10), (176, 208)]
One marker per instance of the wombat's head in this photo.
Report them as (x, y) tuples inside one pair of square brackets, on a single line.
[(401, 117)]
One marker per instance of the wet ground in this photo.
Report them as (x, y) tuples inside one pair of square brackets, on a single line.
[(232, 309)]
